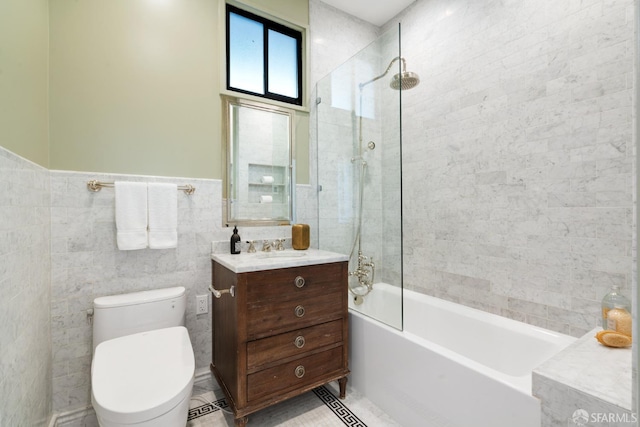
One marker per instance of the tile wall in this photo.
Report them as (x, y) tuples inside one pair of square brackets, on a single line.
[(85, 264), (25, 327), (336, 37), (518, 157), (346, 162)]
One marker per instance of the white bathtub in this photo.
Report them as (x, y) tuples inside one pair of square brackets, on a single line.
[(451, 366)]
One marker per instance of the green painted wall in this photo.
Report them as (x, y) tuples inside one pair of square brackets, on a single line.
[(24, 40), (134, 86)]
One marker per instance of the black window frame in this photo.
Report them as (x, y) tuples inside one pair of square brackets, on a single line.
[(267, 25)]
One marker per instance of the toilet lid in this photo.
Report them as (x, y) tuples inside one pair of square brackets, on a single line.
[(142, 376)]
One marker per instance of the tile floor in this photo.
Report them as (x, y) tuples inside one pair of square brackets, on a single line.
[(298, 412), (306, 411)]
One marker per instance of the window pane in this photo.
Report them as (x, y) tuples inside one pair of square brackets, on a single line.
[(246, 54), (283, 64)]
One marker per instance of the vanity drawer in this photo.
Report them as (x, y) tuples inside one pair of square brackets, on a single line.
[(290, 344), (265, 318), (296, 373), (294, 281)]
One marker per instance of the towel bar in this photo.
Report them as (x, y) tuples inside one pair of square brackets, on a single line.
[(95, 185)]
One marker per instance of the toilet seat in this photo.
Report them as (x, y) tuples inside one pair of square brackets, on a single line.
[(139, 377)]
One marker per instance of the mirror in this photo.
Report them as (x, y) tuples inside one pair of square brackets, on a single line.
[(259, 164)]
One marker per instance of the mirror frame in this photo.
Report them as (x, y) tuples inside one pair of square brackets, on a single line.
[(228, 219)]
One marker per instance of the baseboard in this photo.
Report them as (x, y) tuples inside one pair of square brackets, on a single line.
[(72, 416), (202, 378)]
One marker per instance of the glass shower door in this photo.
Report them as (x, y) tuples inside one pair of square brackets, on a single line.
[(359, 175)]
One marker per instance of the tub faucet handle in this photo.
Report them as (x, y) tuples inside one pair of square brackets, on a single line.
[(266, 246), (252, 247)]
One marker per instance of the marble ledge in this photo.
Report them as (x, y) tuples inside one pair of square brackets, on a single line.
[(248, 262), (591, 368)]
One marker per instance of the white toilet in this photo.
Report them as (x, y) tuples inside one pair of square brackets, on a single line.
[(143, 365)]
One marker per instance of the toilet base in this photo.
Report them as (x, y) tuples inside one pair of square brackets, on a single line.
[(177, 417)]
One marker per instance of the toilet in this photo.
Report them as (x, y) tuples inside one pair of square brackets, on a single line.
[(143, 364)]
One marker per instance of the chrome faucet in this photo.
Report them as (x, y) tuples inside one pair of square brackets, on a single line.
[(252, 247), (365, 267), (266, 246), (278, 244)]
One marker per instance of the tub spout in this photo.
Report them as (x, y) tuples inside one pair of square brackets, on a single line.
[(365, 272)]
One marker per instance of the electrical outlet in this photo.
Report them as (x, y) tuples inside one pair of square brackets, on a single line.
[(202, 304)]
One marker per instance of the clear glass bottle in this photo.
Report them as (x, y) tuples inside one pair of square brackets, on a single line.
[(614, 300)]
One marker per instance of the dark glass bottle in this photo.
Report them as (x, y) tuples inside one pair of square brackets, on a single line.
[(235, 242)]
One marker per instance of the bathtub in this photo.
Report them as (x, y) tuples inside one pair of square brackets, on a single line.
[(451, 366)]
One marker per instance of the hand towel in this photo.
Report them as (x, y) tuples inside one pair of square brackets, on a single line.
[(266, 199), (131, 215), (163, 216)]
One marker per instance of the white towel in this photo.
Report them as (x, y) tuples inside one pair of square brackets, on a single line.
[(131, 215), (163, 216), (266, 199)]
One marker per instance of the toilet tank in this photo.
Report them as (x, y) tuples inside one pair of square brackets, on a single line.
[(118, 315)]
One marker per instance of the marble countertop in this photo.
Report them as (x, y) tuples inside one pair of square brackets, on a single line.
[(592, 368), (246, 262)]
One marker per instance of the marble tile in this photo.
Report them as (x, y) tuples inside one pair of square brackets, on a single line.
[(587, 366), (589, 377), (517, 159), (87, 264), (26, 365), (287, 413)]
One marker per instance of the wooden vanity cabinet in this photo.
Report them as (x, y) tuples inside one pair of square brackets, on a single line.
[(283, 333)]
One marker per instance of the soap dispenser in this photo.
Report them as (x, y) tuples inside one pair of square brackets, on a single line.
[(235, 242)]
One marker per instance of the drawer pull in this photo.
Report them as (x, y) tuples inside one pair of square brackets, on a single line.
[(299, 372), (299, 281), (299, 341), (299, 310)]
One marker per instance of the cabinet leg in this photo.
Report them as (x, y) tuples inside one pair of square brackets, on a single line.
[(241, 422), (342, 382)]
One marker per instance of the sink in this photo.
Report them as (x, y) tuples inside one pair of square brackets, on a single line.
[(281, 254), (257, 261)]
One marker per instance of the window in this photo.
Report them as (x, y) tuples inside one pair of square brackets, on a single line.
[(264, 58)]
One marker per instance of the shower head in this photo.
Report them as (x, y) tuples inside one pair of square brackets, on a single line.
[(405, 81)]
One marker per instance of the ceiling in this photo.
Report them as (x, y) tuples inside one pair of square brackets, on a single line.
[(377, 12)]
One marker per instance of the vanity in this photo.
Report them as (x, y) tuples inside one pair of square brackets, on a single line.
[(280, 326)]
